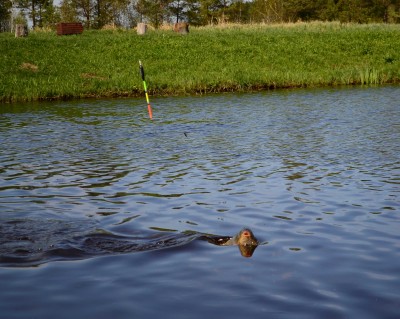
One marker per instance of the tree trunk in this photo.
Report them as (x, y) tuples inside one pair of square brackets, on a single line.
[(33, 14)]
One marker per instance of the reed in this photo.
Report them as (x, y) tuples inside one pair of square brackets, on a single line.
[(209, 59), (370, 76)]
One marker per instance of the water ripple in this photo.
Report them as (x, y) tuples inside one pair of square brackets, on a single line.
[(314, 173)]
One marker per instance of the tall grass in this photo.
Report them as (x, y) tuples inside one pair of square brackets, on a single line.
[(208, 59)]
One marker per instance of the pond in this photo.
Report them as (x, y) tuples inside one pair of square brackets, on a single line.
[(314, 174)]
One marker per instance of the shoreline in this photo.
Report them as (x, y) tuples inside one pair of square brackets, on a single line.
[(234, 58)]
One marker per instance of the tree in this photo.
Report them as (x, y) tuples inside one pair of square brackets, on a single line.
[(68, 11), (352, 11), (392, 12), (50, 15), (110, 11), (387, 11), (98, 13), (214, 11), (121, 12), (41, 12), (193, 13), (329, 12), (239, 11), (5, 15), (140, 7), (85, 9), (178, 9), (156, 11), (304, 10), (267, 11)]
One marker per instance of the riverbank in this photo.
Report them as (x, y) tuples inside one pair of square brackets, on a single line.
[(45, 66)]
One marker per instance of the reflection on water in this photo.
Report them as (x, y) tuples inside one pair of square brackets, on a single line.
[(314, 173)]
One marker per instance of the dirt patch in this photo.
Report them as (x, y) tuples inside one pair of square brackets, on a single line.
[(29, 67)]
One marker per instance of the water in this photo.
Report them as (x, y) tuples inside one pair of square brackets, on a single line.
[(314, 174)]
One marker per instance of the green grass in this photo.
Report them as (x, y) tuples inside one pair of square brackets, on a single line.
[(208, 59)]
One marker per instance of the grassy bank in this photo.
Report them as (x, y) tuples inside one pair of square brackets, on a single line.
[(208, 59)]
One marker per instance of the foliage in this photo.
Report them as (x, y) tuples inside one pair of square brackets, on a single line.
[(5, 15), (98, 13), (69, 11), (41, 12), (360, 11)]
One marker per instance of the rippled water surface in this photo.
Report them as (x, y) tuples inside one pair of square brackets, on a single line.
[(314, 174)]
